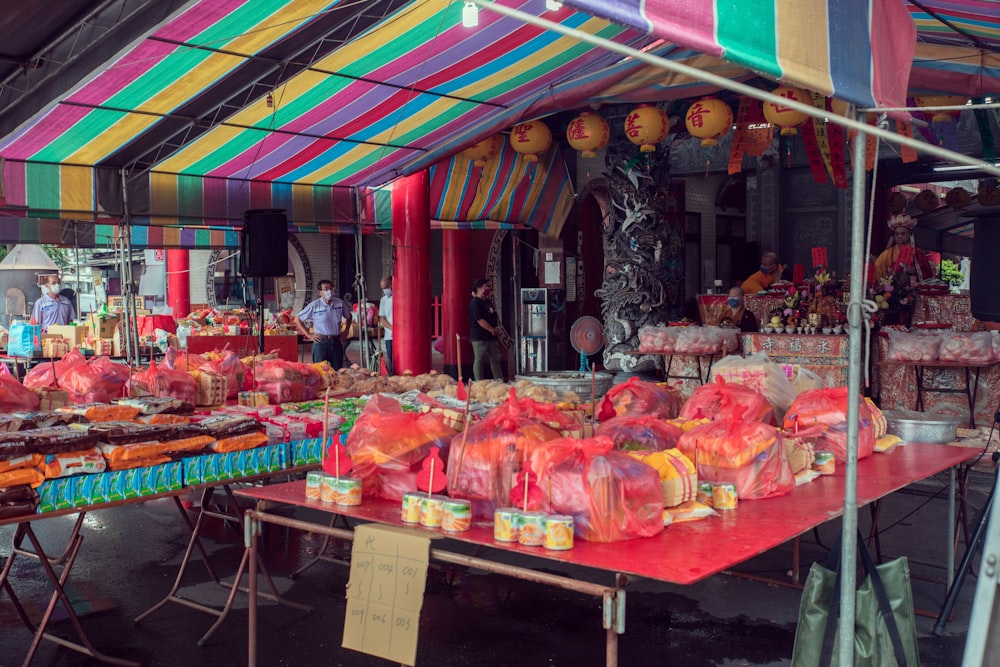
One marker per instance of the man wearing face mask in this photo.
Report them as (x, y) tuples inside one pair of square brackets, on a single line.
[(483, 332), (52, 308), (329, 315), (738, 316), (385, 319), (769, 272)]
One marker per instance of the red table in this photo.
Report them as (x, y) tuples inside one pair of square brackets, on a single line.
[(684, 553), (245, 345)]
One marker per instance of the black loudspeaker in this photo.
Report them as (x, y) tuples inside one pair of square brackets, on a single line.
[(984, 281), (264, 251)]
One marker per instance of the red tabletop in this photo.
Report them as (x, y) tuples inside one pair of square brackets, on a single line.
[(685, 553), (244, 345)]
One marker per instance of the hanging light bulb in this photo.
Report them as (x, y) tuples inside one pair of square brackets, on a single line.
[(553, 5), (470, 15)]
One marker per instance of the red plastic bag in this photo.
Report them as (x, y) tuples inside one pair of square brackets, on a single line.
[(227, 364), (98, 381), (180, 360), (14, 396), (485, 458), (387, 446), (47, 374), (165, 382), (312, 381), (828, 408), (281, 380), (750, 455), (723, 400), (610, 495), (635, 397), (640, 433)]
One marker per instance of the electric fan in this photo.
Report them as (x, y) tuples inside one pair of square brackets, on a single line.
[(587, 338)]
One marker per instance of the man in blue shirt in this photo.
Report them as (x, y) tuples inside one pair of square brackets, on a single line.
[(329, 317), (385, 319), (52, 308)]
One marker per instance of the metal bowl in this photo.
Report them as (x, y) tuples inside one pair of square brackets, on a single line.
[(563, 381), (922, 427)]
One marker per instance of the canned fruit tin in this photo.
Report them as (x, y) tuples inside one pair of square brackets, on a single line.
[(559, 532), (328, 489), (825, 463), (505, 524), (456, 515), (349, 491), (531, 529), (314, 481), (704, 493), (412, 506), (432, 510), (724, 496)]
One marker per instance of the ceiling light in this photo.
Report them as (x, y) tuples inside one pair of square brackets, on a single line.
[(553, 5), (958, 167), (470, 15)]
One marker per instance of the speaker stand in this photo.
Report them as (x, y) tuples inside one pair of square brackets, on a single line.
[(260, 325)]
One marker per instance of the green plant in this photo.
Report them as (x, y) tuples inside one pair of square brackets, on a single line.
[(951, 272)]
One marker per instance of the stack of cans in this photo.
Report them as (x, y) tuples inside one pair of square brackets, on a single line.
[(533, 529)]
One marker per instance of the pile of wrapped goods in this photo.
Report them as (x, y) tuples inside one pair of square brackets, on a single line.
[(691, 340), (980, 347)]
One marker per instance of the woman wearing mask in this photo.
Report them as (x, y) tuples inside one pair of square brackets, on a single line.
[(483, 331), (738, 316)]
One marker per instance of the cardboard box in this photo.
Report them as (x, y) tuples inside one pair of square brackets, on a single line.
[(75, 335), (54, 347), (102, 328)]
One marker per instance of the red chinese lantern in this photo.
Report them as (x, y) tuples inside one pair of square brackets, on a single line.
[(785, 117), (588, 133), (484, 151), (941, 101), (531, 139), (709, 119), (926, 200), (647, 126)]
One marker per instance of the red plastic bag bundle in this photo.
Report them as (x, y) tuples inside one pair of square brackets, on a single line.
[(165, 382), (98, 381), (281, 380), (387, 446), (635, 397), (227, 364), (640, 433), (14, 396), (47, 374), (485, 458), (724, 400), (311, 379), (610, 495), (179, 360), (750, 455), (828, 408)]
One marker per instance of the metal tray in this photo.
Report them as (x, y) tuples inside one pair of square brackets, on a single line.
[(921, 426), (563, 381)]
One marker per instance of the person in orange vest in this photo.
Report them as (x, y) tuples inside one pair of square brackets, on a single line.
[(769, 272)]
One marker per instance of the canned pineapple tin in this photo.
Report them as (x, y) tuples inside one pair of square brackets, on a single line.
[(724, 496), (328, 489), (412, 506), (531, 529), (505, 524), (559, 532), (349, 491), (314, 481), (704, 495), (456, 515), (432, 510), (825, 463)]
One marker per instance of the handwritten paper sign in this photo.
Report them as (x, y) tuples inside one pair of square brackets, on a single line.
[(819, 257), (386, 591)]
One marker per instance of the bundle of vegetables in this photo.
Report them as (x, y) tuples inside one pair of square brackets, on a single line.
[(827, 408), (643, 433), (636, 397)]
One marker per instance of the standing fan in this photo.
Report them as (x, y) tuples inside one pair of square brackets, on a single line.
[(587, 337)]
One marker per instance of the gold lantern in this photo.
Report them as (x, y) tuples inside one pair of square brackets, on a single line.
[(926, 200), (897, 203), (709, 119), (588, 133), (484, 151), (957, 198), (531, 139), (785, 117), (941, 101), (646, 126)]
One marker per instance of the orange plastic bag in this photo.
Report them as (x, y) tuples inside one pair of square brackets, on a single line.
[(388, 444), (610, 495), (750, 455), (640, 433), (165, 382), (723, 400), (98, 381), (48, 374), (236, 443), (635, 398), (828, 408), (485, 458)]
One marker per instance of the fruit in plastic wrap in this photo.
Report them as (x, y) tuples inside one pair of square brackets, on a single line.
[(725, 400), (640, 433), (636, 397), (972, 348), (827, 408)]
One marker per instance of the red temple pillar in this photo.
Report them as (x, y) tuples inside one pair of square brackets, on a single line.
[(411, 285), (179, 282), (455, 297)]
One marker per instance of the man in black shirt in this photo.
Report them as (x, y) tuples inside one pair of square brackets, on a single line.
[(483, 331)]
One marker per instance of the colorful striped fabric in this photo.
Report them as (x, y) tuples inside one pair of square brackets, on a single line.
[(954, 69), (69, 233), (970, 23), (855, 50), (43, 190)]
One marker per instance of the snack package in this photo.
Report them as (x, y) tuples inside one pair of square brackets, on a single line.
[(610, 495), (32, 477), (89, 461), (17, 501), (750, 455), (636, 397), (721, 400), (827, 408), (102, 412), (235, 443), (640, 433)]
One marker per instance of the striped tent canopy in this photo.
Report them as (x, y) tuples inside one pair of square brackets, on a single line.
[(958, 47)]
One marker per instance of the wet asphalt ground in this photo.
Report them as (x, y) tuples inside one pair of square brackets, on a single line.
[(130, 557)]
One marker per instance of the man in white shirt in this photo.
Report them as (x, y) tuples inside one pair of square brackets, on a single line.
[(385, 319)]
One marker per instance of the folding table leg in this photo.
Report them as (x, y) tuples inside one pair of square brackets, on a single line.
[(321, 554), (59, 560)]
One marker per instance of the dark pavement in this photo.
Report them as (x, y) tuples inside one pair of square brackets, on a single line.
[(130, 556)]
